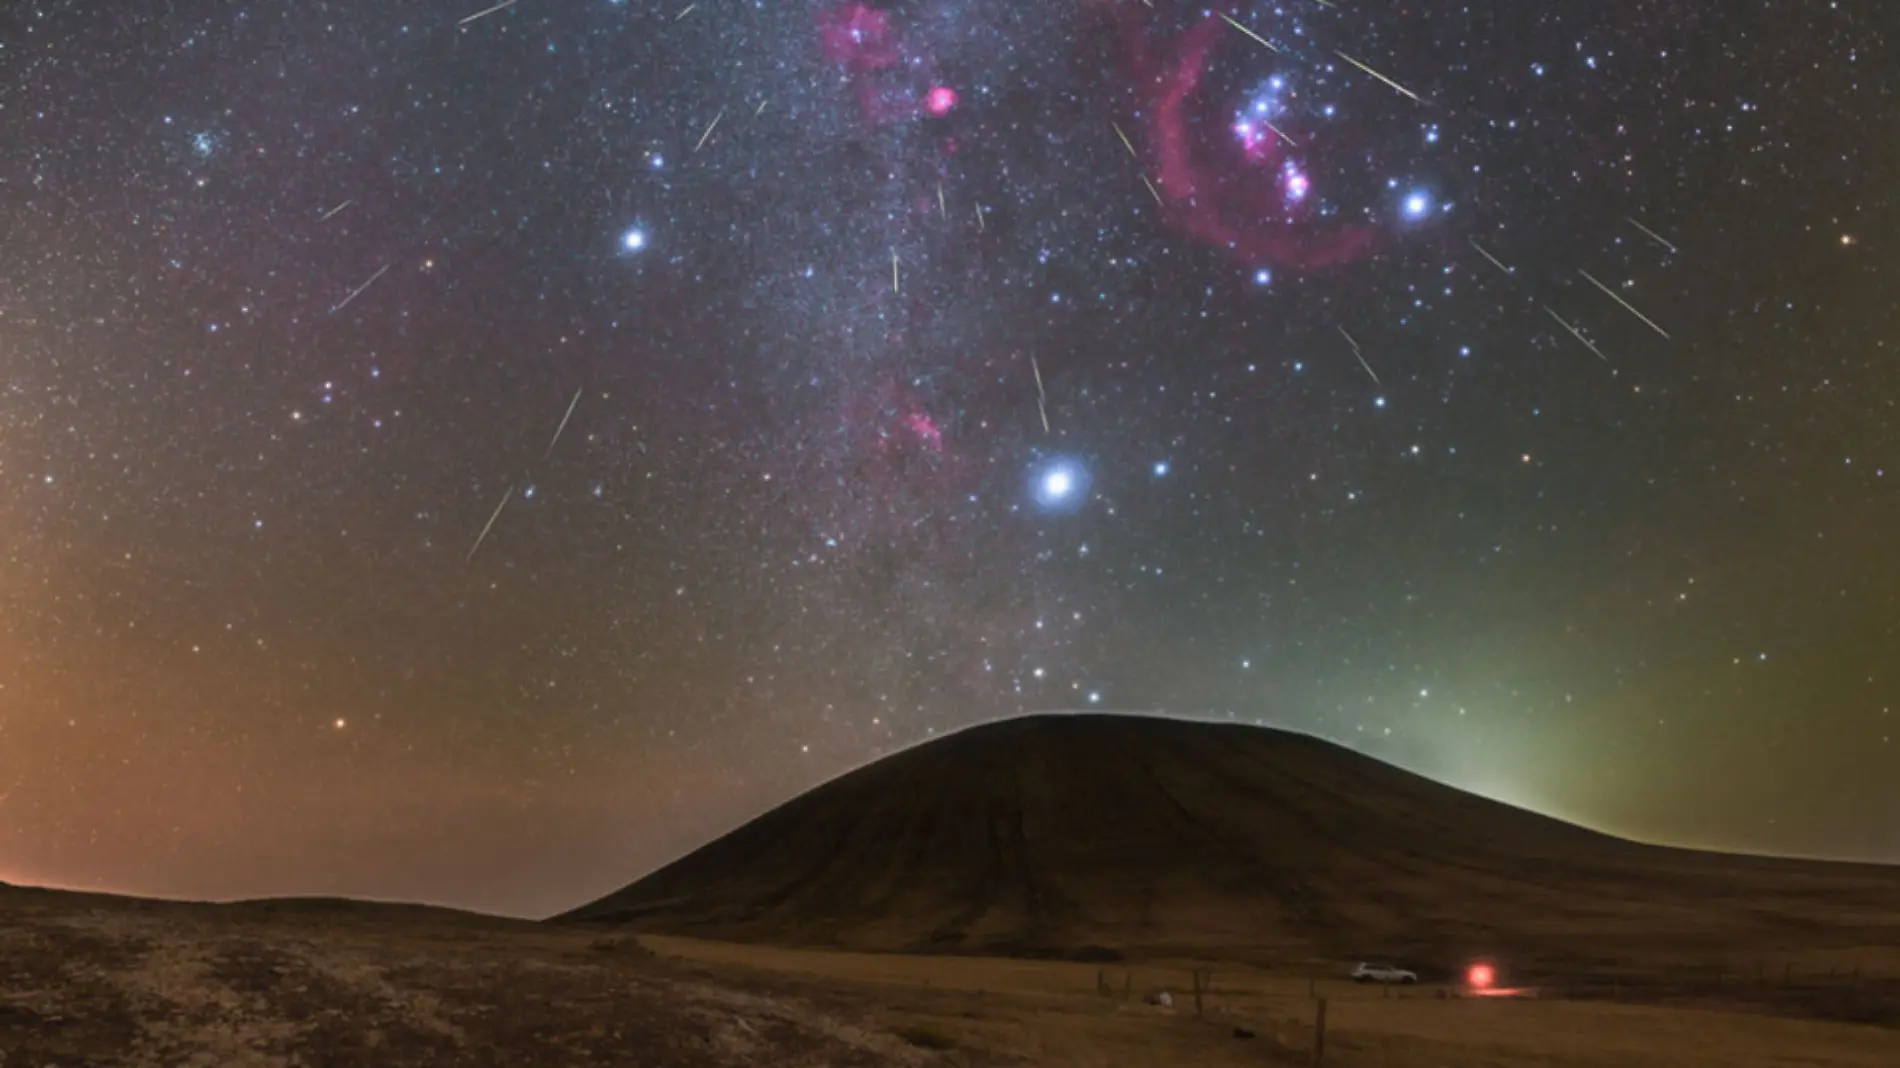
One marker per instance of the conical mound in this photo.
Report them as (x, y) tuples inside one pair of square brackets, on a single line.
[(1080, 835)]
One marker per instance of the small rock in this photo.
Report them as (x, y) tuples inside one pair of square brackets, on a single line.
[(1241, 1032)]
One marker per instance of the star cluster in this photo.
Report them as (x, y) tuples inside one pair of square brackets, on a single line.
[(474, 455)]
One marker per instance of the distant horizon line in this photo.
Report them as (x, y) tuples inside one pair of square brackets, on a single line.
[(930, 738)]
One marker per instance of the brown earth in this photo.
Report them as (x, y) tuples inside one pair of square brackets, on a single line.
[(95, 980), (1061, 1013), (1115, 837)]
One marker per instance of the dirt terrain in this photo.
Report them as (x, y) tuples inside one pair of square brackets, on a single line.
[(1059, 1013), (1100, 837), (88, 980)]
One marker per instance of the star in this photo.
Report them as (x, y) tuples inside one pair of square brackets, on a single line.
[(1060, 485)]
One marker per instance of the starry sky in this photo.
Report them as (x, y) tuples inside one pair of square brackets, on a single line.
[(474, 456)]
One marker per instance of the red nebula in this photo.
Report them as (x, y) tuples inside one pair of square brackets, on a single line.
[(940, 100), (891, 418), (921, 424), (889, 73), (860, 38), (1243, 204), (865, 42)]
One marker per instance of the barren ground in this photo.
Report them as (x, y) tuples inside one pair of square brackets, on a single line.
[(1052, 1013), (101, 981)]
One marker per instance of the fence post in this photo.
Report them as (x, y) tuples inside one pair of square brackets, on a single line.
[(1319, 1033), (1787, 973), (1312, 987), (1128, 985)]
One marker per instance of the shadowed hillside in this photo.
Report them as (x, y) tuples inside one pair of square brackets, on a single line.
[(1075, 835), (98, 980)]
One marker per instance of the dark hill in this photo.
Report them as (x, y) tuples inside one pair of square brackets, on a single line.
[(1099, 835)]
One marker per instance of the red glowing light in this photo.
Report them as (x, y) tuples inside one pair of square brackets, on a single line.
[(859, 37), (1481, 976), (940, 100), (1231, 196), (926, 429)]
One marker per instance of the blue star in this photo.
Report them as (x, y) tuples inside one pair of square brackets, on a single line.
[(634, 240)]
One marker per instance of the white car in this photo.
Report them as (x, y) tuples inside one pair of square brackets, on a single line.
[(1367, 972)]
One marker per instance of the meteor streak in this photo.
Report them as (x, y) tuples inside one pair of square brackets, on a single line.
[(1042, 399), (359, 289), (485, 12), (1578, 334), (1653, 235), (1360, 356), (709, 129), (1268, 45), (1396, 86), (1610, 293), (557, 430), (1495, 262), (490, 525)]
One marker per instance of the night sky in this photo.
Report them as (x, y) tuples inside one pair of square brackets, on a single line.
[(476, 459)]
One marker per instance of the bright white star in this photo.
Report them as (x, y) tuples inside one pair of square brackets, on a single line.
[(1060, 486)]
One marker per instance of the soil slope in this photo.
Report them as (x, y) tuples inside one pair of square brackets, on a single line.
[(1097, 836), (96, 980)]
